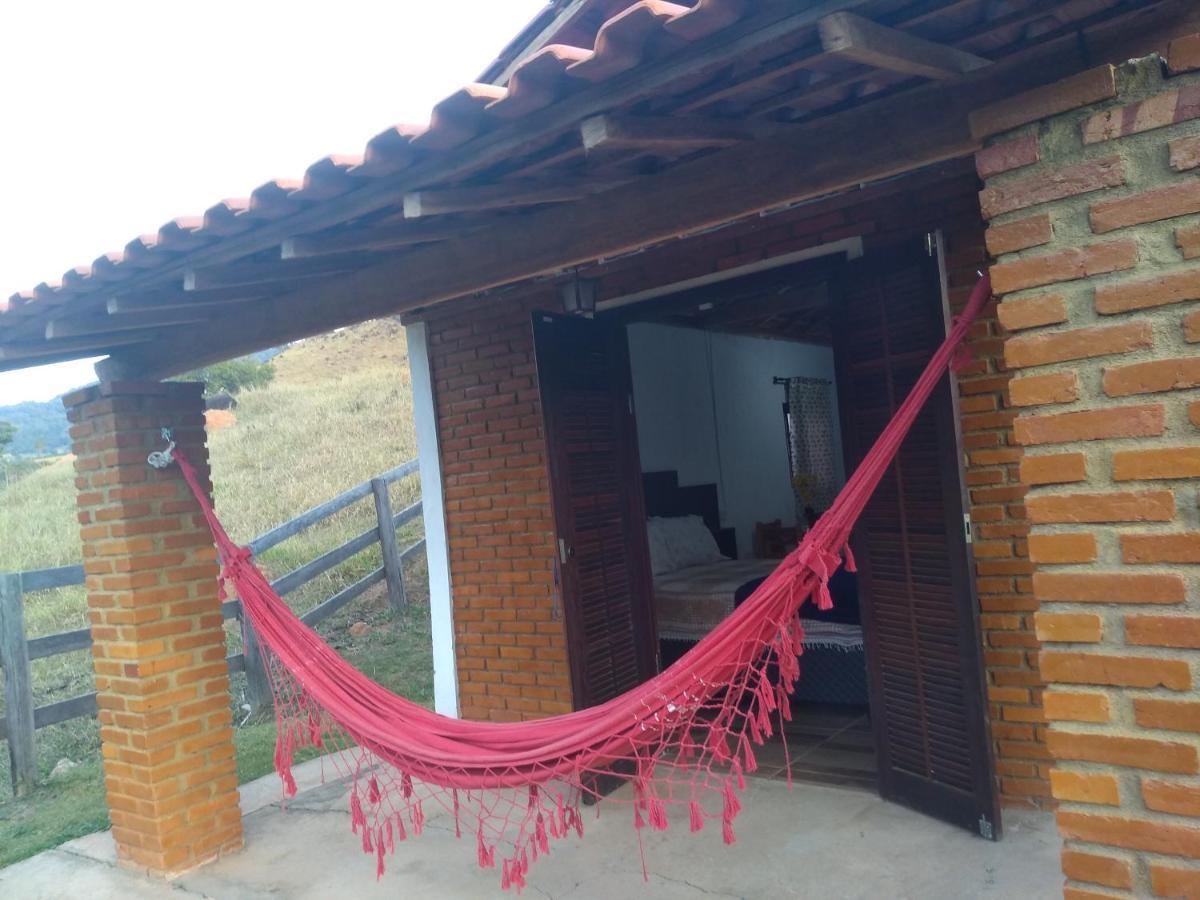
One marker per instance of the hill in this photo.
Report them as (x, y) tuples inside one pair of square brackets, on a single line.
[(41, 428), (338, 412)]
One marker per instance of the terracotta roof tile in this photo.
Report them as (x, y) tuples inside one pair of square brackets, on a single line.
[(389, 151), (620, 40), (539, 81), (706, 17), (459, 117)]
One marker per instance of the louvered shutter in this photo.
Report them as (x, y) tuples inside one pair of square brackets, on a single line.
[(595, 481), (919, 607)]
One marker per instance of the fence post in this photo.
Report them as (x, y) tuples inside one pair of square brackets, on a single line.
[(393, 566), (258, 683), (18, 686)]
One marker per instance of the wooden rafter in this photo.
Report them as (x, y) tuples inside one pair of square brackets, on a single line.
[(852, 37), (252, 273), (83, 326), (176, 298), (650, 133), (379, 237), (505, 195), (30, 351)]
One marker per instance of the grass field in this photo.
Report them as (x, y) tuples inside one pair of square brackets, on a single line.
[(338, 413)]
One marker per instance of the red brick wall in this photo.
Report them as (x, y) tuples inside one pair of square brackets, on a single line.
[(481, 355), (162, 682), (508, 630), (1099, 216)]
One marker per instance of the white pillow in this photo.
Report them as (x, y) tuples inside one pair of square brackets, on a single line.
[(661, 560), (678, 542)]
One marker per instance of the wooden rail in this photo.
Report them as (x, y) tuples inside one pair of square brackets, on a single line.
[(22, 719)]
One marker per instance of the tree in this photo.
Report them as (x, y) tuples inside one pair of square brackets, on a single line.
[(233, 376), (8, 433)]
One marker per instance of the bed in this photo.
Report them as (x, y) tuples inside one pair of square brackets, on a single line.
[(690, 601)]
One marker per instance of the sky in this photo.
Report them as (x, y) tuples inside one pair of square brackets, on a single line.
[(118, 116)]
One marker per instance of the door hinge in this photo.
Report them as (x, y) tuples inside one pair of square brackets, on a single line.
[(985, 829), (930, 242), (630, 398), (967, 527), (562, 551)]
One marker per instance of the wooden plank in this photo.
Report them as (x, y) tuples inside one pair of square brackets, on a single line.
[(616, 132), (407, 514), (81, 326), (382, 237), (177, 298), (254, 273), (340, 599), (49, 579), (18, 687), (281, 533), (852, 37), (418, 547), (505, 195), (33, 352), (392, 565), (62, 642), (323, 563), (65, 710), (258, 683)]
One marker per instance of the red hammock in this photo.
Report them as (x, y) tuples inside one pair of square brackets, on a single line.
[(683, 739)]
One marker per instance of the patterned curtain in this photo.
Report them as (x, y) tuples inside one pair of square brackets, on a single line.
[(811, 445)]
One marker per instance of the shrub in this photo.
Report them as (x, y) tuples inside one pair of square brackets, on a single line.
[(233, 376)]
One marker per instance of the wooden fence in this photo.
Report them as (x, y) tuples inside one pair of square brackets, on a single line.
[(22, 718)]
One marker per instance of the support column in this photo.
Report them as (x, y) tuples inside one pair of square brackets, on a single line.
[(159, 646), (1094, 204)]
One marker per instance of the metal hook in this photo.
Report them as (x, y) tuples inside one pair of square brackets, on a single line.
[(160, 459)]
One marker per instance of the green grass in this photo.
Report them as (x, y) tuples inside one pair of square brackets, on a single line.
[(338, 413)]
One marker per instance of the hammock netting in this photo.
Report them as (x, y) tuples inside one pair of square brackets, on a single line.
[(684, 740)]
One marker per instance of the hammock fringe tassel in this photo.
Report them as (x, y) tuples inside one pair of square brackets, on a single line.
[(683, 739)]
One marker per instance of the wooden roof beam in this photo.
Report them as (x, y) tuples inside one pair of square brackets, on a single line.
[(852, 37), (85, 326), (379, 237), (615, 132), (176, 298), (510, 195), (247, 274), (33, 353)]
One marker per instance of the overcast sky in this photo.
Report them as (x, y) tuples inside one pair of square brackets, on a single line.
[(117, 116)]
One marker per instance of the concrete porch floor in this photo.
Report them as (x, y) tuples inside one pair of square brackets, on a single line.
[(814, 841)]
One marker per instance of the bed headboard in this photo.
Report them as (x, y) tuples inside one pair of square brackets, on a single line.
[(665, 496)]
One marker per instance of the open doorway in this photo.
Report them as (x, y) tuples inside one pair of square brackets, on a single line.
[(694, 437), (740, 447)]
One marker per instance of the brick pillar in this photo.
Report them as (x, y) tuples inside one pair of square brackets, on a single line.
[(1094, 203), (159, 648)]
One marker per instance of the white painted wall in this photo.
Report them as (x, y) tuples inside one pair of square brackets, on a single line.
[(441, 602), (706, 407)]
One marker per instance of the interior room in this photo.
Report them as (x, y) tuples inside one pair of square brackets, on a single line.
[(736, 398)]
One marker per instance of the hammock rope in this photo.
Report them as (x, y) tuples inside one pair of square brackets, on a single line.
[(684, 739)]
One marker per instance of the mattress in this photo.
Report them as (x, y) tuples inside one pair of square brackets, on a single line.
[(691, 602)]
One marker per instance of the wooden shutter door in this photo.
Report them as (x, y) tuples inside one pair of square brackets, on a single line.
[(595, 483), (919, 607)]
